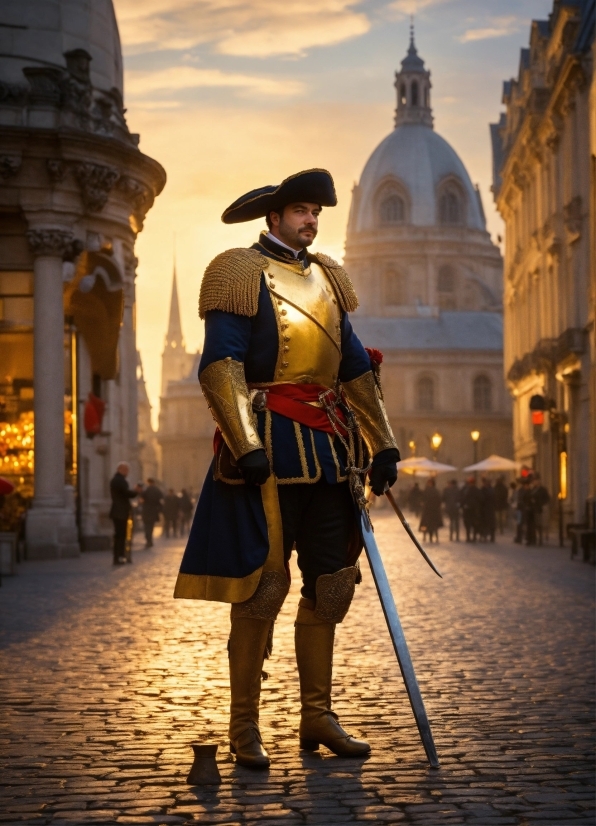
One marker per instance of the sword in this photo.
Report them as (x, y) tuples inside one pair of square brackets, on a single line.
[(397, 637), (410, 532)]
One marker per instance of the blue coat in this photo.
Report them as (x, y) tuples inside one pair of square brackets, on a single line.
[(229, 536)]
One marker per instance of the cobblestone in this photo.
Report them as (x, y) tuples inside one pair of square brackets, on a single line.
[(105, 681)]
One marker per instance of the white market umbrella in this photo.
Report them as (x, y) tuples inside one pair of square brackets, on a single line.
[(494, 462), (421, 466)]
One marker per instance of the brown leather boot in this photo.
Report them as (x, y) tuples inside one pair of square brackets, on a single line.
[(314, 655), (248, 642)]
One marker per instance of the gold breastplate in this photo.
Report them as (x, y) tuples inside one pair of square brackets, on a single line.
[(308, 324)]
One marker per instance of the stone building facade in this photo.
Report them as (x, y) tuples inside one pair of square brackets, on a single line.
[(429, 281), (543, 150), (75, 190), (185, 424)]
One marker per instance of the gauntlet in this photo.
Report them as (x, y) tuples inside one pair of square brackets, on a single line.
[(224, 386), (365, 400)]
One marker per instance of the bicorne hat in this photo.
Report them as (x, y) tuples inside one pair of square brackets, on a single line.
[(313, 185)]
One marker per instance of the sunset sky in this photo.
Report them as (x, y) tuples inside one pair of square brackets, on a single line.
[(230, 95)]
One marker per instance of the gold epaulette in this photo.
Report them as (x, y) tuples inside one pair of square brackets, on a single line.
[(341, 281), (232, 282)]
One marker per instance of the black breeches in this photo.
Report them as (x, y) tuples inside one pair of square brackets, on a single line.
[(320, 520)]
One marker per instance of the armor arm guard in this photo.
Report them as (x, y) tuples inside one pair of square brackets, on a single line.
[(224, 386), (365, 399)]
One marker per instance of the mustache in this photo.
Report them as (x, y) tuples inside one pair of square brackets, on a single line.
[(309, 228)]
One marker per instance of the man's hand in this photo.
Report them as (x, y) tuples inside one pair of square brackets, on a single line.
[(254, 467), (384, 471)]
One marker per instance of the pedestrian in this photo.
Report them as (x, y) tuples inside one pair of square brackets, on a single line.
[(277, 338), (120, 511), (171, 507), (415, 498), (501, 503), (515, 506), (451, 497), (540, 498), (186, 506), (431, 519), (470, 505), (152, 502), (525, 505), (487, 516)]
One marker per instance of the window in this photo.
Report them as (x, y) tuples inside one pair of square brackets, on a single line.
[(415, 93), (450, 208), (395, 288), (402, 94), (425, 394), (483, 394), (393, 210), (446, 288)]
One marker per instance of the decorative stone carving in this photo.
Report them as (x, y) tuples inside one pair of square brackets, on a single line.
[(50, 241), (139, 196), (45, 85), (9, 166), (56, 169), (95, 182), (572, 215), (12, 93)]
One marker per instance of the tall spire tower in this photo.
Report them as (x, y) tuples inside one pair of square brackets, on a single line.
[(413, 87), (174, 359)]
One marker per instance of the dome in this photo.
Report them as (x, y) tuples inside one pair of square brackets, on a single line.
[(419, 164), (39, 32)]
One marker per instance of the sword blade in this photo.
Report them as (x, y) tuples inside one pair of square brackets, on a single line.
[(398, 639), (410, 532)]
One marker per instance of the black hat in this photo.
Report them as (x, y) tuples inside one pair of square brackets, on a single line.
[(313, 185)]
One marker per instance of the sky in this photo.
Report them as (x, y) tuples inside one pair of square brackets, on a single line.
[(230, 95)]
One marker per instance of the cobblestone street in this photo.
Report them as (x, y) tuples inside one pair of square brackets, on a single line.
[(106, 680)]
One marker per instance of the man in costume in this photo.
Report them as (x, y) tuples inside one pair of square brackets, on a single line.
[(300, 420)]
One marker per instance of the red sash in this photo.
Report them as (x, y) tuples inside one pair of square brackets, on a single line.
[(291, 401)]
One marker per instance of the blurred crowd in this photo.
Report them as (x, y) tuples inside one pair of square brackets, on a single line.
[(173, 510), (482, 508)]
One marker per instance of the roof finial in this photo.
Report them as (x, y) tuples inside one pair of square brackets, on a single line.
[(412, 30)]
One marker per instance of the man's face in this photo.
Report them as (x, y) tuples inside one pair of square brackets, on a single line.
[(298, 226), (123, 469)]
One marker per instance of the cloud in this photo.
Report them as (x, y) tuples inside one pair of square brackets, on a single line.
[(260, 28), (500, 27), (405, 7), (140, 84)]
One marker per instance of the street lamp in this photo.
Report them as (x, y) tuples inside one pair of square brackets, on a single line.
[(475, 434), (435, 443)]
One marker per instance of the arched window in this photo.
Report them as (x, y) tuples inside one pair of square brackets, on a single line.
[(393, 210), (450, 207), (395, 288), (446, 288), (414, 93), (402, 94), (425, 393), (483, 394)]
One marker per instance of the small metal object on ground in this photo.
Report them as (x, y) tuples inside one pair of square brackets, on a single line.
[(204, 769)]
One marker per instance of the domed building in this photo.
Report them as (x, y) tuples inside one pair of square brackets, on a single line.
[(429, 281), (75, 190)]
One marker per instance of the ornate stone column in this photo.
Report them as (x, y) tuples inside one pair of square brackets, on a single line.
[(51, 527)]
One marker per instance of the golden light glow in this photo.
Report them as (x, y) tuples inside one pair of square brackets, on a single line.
[(16, 446), (475, 434), (436, 440), (563, 475), (412, 446)]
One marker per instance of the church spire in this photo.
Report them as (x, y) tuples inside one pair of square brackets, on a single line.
[(413, 88), (174, 336)]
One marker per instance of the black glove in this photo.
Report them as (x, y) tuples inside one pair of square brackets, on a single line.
[(254, 467), (383, 471)]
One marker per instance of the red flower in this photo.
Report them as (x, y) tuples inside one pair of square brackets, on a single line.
[(376, 356)]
